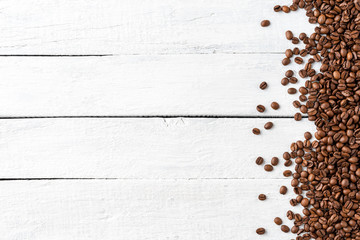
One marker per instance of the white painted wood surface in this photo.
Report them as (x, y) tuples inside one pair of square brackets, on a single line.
[(144, 26), (147, 178), (143, 148), (141, 209), (144, 85)]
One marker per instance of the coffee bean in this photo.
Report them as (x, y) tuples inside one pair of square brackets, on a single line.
[(268, 168), (297, 117), (293, 80), (285, 9), (299, 60), (275, 105), (296, 104), (259, 160), (284, 81), (285, 228), (260, 231), (289, 73), (295, 40), (289, 53), (262, 197), (274, 161), (278, 221), (307, 135), (277, 8), (296, 51), (302, 36), (288, 163), (256, 131), (265, 23), (289, 35), (292, 90), (260, 108), (287, 173), (283, 190), (286, 61), (268, 125), (263, 85)]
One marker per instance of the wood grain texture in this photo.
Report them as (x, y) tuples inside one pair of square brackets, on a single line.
[(143, 85), (143, 148), (144, 27), (142, 210)]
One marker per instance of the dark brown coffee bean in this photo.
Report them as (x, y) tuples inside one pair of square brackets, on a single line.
[(307, 135), (286, 61), (296, 51), (263, 85), (293, 80), (265, 23), (277, 8), (295, 40), (260, 231), (259, 160), (288, 163), (278, 221), (292, 90), (288, 53), (260, 108), (289, 35), (268, 168), (283, 190), (275, 105), (297, 117), (284, 81), (296, 104), (289, 73), (299, 60), (287, 173), (285, 228), (285, 9), (268, 125), (256, 131), (262, 197), (274, 161), (302, 36)]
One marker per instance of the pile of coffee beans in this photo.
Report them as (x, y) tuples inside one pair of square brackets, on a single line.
[(326, 176)]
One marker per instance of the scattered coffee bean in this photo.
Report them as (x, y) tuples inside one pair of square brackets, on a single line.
[(285, 9), (262, 197), (260, 108), (275, 105), (289, 53), (299, 60), (277, 8), (274, 161), (284, 81), (263, 85), (293, 80), (286, 61), (259, 160), (285, 228), (283, 190), (278, 221), (268, 168), (289, 73), (265, 23), (260, 231), (292, 90), (307, 135), (287, 173), (289, 35), (256, 131), (297, 117), (295, 40), (268, 125)]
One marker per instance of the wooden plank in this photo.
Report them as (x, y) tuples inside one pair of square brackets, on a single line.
[(144, 27), (143, 85), (143, 148), (142, 209)]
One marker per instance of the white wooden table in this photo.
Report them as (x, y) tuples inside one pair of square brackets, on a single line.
[(131, 119)]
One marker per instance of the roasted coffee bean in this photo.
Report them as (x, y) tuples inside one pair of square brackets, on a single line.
[(296, 104), (262, 197), (295, 40), (263, 85), (297, 117), (299, 60), (286, 61), (285, 228), (287, 173), (289, 35), (283, 190), (277, 8), (289, 73), (268, 125), (289, 53), (260, 231), (293, 80), (292, 90), (275, 105), (307, 135), (274, 161), (288, 163), (256, 131), (259, 160), (284, 81), (296, 51), (265, 23), (285, 9), (260, 108), (278, 221), (268, 168)]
